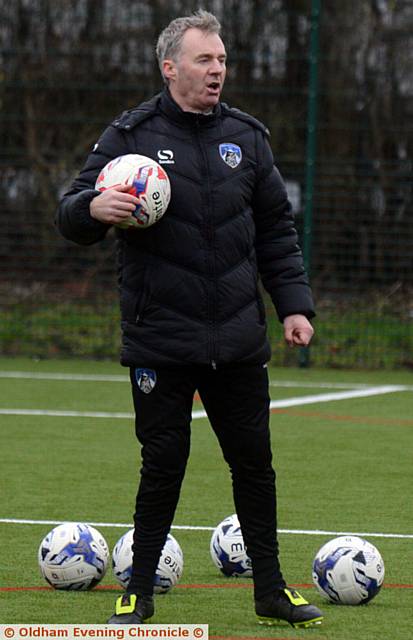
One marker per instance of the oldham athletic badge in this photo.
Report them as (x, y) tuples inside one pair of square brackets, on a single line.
[(145, 379), (231, 154)]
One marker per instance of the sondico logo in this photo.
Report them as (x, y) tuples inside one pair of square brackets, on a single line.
[(166, 156)]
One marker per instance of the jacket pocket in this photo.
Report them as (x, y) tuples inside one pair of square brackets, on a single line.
[(133, 301), (262, 316), (143, 299), (140, 307)]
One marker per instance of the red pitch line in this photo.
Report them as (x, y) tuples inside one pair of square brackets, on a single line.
[(243, 585), (232, 585), (344, 418)]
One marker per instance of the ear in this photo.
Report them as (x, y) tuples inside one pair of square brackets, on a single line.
[(169, 69)]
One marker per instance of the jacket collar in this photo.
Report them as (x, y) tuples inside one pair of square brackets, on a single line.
[(173, 111)]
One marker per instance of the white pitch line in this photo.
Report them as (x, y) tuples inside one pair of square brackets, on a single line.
[(318, 385), (196, 415), (128, 525), (67, 414), (96, 377), (361, 534), (338, 395), (82, 377)]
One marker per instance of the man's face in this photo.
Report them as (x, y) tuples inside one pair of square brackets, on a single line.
[(197, 76)]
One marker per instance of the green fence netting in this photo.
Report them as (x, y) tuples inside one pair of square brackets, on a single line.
[(333, 82)]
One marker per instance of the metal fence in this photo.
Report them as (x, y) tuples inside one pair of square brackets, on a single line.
[(334, 85)]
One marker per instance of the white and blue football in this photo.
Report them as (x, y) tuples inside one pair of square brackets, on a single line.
[(228, 550), (73, 556), (168, 572), (348, 570)]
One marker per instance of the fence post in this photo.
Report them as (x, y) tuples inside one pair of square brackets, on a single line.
[(312, 108)]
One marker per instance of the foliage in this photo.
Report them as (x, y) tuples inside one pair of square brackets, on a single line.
[(65, 329), (344, 338)]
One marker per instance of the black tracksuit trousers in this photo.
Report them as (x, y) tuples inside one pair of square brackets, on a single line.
[(236, 400)]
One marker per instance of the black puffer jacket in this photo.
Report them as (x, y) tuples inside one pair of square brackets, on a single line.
[(189, 284)]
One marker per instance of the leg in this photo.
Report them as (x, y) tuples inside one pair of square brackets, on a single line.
[(163, 416), (162, 427), (237, 402)]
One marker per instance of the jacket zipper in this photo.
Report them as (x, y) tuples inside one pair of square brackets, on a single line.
[(211, 275)]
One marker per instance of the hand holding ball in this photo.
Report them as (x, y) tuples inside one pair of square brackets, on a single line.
[(147, 181)]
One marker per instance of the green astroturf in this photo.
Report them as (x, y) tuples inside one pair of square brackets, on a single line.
[(341, 466)]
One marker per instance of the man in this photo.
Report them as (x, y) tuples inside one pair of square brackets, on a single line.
[(192, 315)]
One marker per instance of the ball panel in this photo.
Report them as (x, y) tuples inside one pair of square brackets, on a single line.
[(170, 566), (122, 559)]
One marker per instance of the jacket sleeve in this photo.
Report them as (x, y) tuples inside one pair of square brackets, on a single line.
[(279, 257), (73, 217)]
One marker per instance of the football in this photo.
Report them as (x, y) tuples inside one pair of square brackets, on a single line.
[(73, 556), (228, 551), (148, 181), (348, 570), (170, 566)]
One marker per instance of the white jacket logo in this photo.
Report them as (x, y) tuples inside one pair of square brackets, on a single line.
[(166, 156)]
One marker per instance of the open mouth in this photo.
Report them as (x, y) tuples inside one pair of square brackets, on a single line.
[(214, 86)]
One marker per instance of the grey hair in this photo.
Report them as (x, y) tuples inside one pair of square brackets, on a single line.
[(170, 40)]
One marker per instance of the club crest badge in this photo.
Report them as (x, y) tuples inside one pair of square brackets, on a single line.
[(145, 379), (231, 154)]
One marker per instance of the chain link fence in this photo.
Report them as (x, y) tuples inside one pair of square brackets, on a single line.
[(333, 83)]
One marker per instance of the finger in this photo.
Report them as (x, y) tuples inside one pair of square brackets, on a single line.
[(302, 338), (125, 206), (119, 217), (121, 201), (121, 187)]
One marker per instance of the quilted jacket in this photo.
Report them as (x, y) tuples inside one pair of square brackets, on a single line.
[(189, 285)]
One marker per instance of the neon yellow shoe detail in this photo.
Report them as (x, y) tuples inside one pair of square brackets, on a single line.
[(132, 608), (125, 604), (295, 598), (289, 605)]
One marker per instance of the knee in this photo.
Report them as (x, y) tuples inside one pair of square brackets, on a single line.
[(165, 457)]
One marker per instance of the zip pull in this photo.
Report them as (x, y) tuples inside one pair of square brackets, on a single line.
[(214, 365)]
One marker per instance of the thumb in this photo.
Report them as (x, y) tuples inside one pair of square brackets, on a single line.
[(288, 336)]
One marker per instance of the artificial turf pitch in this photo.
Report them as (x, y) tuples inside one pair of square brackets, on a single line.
[(342, 466)]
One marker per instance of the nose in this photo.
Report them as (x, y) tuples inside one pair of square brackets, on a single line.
[(217, 66)]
